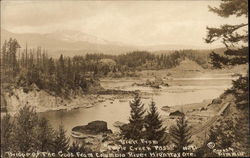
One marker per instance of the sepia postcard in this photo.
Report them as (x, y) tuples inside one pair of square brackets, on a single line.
[(124, 78)]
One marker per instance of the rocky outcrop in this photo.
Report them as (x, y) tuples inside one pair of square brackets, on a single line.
[(176, 113), (42, 101), (157, 83), (94, 127), (96, 136)]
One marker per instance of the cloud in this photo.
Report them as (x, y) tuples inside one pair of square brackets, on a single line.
[(39, 13), (134, 22)]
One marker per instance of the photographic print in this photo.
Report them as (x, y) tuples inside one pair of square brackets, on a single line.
[(124, 78)]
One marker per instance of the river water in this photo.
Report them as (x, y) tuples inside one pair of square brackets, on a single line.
[(180, 91)]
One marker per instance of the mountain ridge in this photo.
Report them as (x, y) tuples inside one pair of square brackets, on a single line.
[(71, 43)]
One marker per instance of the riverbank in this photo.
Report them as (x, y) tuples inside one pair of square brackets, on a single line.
[(178, 79), (112, 107), (202, 116), (194, 112), (16, 97)]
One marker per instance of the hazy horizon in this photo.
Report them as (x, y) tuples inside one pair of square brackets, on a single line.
[(128, 22)]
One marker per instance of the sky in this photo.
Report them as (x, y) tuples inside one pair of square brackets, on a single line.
[(131, 22)]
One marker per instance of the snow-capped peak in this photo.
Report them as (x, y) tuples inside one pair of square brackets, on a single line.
[(76, 36)]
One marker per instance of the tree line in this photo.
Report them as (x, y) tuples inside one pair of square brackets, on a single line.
[(144, 60), (26, 133), (228, 133), (25, 67), (149, 126), (36, 67)]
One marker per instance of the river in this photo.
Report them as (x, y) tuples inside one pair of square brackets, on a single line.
[(180, 91)]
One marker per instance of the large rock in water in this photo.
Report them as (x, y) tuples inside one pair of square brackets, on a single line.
[(97, 126), (94, 127), (176, 113)]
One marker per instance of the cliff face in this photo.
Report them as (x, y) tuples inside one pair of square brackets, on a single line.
[(39, 99), (14, 98)]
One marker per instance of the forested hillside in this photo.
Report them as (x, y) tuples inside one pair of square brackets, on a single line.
[(23, 67)]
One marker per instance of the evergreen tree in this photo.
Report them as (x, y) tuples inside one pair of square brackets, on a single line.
[(26, 56), (181, 134), (24, 132), (61, 142), (60, 71), (45, 135), (204, 150), (216, 60), (242, 138), (6, 134), (76, 147), (31, 59), (232, 36), (222, 135), (154, 129), (4, 55), (28, 133), (33, 76), (69, 73), (229, 133), (9, 59), (13, 46), (51, 66), (241, 93), (134, 129), (235, 38)]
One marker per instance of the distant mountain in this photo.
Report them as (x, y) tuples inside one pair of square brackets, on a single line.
[(67, 42), (75, 36), (71, 43)]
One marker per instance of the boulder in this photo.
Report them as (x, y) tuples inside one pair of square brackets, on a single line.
[(97, 126), (94, 127), (176, 113)]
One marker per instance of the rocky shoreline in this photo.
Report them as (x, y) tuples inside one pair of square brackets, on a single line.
[(42, 101), (156, 83)]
